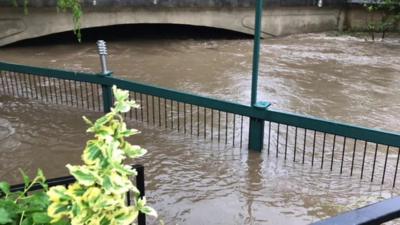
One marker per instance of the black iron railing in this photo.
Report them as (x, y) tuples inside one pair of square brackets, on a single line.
[(378, 213)]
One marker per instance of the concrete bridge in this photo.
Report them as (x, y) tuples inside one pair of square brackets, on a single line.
[(281, 17)]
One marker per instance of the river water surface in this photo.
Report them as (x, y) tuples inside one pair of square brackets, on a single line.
[(195, 181)]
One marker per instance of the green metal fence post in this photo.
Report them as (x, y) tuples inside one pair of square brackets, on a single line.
[(106, 89), (256, 129)]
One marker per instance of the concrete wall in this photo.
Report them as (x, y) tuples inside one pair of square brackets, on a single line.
[(181, 3), (277, 21)]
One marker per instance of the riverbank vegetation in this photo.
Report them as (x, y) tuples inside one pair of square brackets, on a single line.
[(388, 12)]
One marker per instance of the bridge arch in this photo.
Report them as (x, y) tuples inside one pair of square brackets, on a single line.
[(15, 26)]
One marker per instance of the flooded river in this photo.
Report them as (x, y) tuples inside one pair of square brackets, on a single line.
[(194, 181)]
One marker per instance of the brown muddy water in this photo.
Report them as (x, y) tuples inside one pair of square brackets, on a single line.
[(195, 181)]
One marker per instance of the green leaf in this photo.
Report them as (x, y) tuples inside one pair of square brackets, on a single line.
[(5, 187), (41, 218), (134, 151), (82, 174), (4, 216), (149, 211), (25, 177)]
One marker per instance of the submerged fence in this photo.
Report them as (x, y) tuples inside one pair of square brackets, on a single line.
[(356, 151)]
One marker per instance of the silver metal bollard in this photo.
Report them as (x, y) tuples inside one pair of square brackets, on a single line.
[(106, 88), (102, 48)]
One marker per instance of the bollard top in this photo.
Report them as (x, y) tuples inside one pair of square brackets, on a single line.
[(102, 47)]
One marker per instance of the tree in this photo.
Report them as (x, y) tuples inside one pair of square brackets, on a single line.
[(390, 16)]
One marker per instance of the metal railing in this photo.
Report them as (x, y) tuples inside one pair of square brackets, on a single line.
[(378, 213), (357, 151), (67, 180)]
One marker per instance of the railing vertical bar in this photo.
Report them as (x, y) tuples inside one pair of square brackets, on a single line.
[(226, 127), (147, 110), (141, 106), (191, 119), (295, 145), (205, 122), (13, 87), (323, 151), (81, 92), (165, 114), (3, 81), (54, 84), (37, 89), (136, 101), (344, 149), (313, 148), (177, 103), (152, 109), (93, 98), (27, 86), (25, 91), (277, 140), (184, 117), (86, 92), (219, 125), (9, 83), (159, 112), (286, 141), (384, 167), (23, 85), (241, 131), (51, 87), (353, 157), (304, 145), (234, 130), (45, 89), (100, 98), (17, 88), (28, 78), (72, 87), (58, 91), (363, 160), (269, 137), (172, 116), (212, 124), (18, 85), (3, 89), (373, 165), (198, 121), (77, 95), (130, 99), (140, 183), (333, 150), (397, 166)]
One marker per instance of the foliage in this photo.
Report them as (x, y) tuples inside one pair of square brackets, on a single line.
[(390, 10), (73, 6), (22, 208), (99, 195)]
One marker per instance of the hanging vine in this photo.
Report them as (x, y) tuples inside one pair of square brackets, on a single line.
[(73, 6)]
